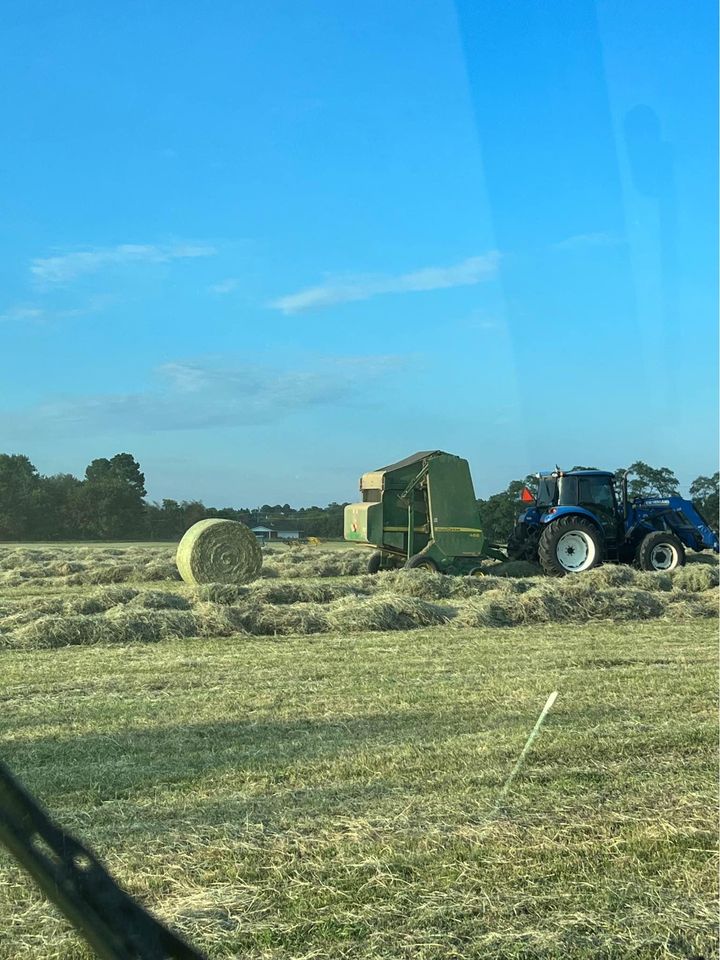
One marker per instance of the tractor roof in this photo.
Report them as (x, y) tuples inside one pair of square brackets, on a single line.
[(588, 473), (576, 473)]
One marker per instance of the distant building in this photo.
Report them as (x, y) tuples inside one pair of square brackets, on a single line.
[(277, 530)]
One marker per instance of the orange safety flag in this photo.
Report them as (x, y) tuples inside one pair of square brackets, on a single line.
[(526, 496)]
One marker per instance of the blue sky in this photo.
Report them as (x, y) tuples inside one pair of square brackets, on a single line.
[(266, 247)]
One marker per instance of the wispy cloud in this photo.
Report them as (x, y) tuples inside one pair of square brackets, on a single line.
[(225, 286), (579, 240), (69, 266), (200, 394), (21, 313), (40, 313), (467, 272)]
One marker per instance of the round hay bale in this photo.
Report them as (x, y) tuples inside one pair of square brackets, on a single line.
[(219, 551)]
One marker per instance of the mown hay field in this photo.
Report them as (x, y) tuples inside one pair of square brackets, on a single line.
[(311, 765)]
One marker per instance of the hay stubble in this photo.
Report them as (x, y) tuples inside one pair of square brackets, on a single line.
[(307, 765)]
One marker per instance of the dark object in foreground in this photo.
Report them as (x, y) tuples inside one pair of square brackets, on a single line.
[(115, 925)]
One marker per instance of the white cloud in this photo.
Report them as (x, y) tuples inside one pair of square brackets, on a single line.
[(468, 272), (225, 286), (31, 312), (68, 266), (196, 394), (20, 313)]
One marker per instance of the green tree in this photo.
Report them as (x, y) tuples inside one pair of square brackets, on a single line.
[(704, 494), (122, 467), (111, 500), (55, 515), (19, 485), (499, 512), (647, 481), (109, 510)]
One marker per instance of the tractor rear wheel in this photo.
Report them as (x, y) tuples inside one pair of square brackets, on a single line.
[(660, 550), (421, 562), (570, 544), (374, 561)]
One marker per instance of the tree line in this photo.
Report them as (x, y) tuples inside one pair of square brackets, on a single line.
[(109, 503)]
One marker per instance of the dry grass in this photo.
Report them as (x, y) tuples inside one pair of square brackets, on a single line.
[(114, 595), (337, 796), (309, 766)]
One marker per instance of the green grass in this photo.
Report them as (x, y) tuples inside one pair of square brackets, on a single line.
[(334, 797)]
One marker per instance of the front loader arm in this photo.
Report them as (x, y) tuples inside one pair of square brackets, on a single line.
[(695, 518)]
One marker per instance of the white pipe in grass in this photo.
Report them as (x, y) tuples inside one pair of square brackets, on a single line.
[(526, 749)]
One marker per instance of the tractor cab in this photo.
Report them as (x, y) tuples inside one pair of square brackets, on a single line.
[(589, 490), (580, 518), (573, 522)]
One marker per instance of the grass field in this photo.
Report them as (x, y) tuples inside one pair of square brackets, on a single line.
[(335, 795)]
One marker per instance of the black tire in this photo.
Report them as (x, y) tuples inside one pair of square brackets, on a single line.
[(660, 551), (421, 562), (515, 546), (566, 538), (374, 561), (519, 545)]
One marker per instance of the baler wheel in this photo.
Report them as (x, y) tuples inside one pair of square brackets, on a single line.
[(660, 550), (374, 561), (421, 562)]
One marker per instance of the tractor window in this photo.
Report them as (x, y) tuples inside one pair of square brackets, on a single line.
[(568, 492), (547, 491), (596, 492)]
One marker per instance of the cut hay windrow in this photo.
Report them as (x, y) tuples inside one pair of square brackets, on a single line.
[(108, 573), (160, 570), (689, 607), (100, 600), (159, 600), (385, 612), (296, 618), (65, 567), (312, 591), (226, 593), (416, 583), (696, 577), (219, 551), (298, 563), (217, 620), (308, 591), (150, 626), (559, 603)]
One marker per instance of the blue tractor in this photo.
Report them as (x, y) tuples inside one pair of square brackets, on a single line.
[(580, 518)]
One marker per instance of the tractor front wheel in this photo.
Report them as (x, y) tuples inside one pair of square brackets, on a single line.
[(660, 551), (570, 544), (421, 562)]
